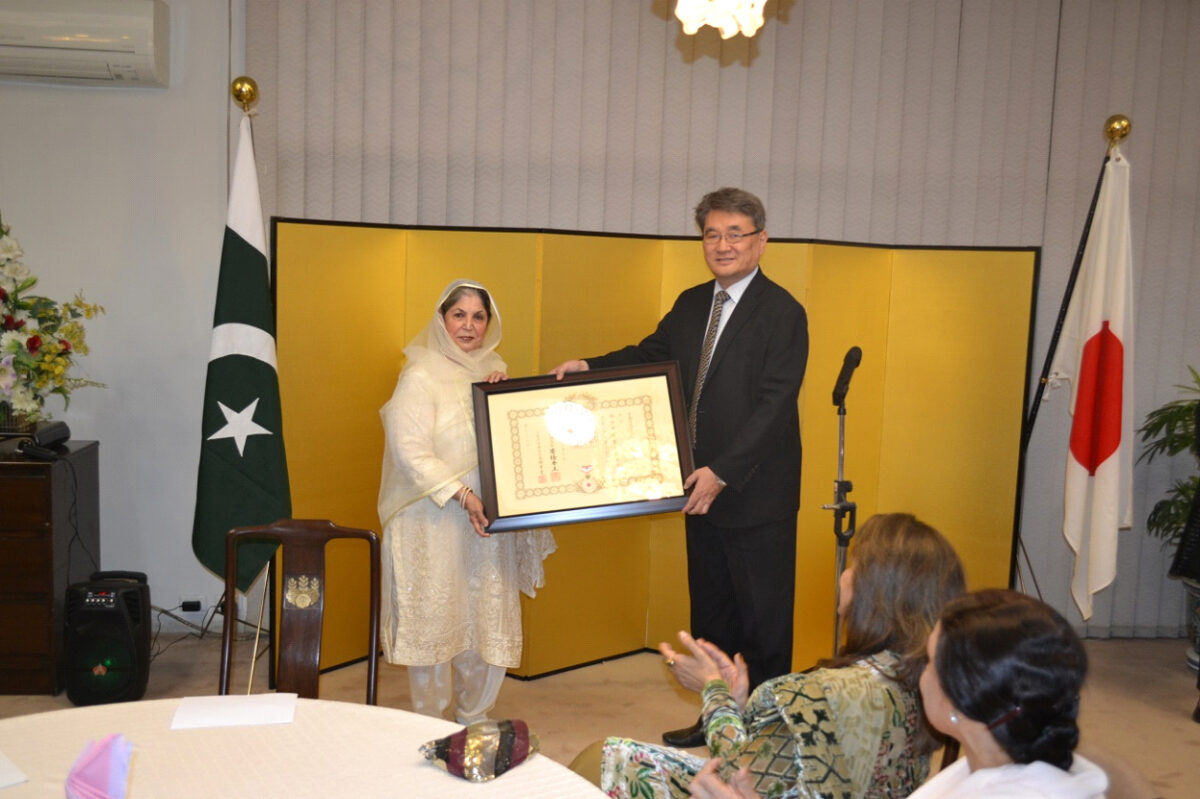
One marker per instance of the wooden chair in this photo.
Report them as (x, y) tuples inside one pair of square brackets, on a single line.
[(302, 543)]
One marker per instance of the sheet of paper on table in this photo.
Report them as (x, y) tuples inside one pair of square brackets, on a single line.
[(9, 773), (233, 711)]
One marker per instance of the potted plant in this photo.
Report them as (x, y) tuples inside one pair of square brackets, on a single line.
[(1169, 430)]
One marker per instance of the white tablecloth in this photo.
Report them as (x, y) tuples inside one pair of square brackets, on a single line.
[(331, 749)]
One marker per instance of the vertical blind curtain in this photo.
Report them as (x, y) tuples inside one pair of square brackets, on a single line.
[(924, 122)]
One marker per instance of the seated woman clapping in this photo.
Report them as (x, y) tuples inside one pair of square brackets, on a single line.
[(1003, 679), (853, 727)]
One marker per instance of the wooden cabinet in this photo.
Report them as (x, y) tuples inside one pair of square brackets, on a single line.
[(49, 538)]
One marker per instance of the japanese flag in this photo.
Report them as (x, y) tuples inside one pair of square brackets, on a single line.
[(1095, 355)]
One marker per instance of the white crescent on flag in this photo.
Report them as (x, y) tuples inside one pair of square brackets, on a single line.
[(234, 338)]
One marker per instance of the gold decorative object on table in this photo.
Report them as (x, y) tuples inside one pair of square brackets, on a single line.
[(40, 339), (483, 750)]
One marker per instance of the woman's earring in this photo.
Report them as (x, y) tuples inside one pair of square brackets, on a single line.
[(953, 718)]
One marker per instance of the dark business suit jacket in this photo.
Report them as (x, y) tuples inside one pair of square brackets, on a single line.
[(747, 426)]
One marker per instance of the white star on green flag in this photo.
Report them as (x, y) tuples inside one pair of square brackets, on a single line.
[(239, 425)]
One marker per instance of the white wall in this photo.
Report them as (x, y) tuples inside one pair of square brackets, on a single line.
[(122, 193), (926, 121)]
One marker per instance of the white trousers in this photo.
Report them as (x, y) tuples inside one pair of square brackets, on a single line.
[(476, 684)]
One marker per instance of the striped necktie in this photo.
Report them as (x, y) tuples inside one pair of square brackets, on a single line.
[(710, 340)]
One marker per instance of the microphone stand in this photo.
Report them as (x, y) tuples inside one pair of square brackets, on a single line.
[(841, 507)]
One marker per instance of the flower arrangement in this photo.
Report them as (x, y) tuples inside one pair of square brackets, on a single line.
[(39, 339)]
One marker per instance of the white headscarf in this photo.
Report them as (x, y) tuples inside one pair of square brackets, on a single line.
[(417, 462), (434, 342)]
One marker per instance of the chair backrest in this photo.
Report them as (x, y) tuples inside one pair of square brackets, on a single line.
[(302, 543)]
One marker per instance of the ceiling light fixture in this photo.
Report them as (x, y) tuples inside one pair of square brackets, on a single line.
[(730, 17)]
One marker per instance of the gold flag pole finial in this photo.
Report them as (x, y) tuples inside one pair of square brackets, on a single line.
[(1116, 128), (244, 91)]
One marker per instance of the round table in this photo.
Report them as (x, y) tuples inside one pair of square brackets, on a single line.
[(329, 749)]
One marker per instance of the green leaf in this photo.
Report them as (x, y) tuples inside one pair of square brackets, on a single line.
[(1169, 430), (1169, 515)]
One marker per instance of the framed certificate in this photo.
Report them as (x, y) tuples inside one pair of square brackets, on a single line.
[(600, 444)]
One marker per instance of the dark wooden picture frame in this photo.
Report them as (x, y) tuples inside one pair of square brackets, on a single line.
[(484, 394)]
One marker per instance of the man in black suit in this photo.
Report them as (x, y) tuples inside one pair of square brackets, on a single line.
[(745, 427)]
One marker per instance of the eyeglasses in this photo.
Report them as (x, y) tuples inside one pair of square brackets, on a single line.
[(712, 237)]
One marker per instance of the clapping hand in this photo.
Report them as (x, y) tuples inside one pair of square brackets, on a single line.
[(693, 671), (707, 784), (734, 672)]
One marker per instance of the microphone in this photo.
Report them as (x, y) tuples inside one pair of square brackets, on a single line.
[(853, 359)]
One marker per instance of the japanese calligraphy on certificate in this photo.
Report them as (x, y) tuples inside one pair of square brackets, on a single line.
[(600, 444), (596, 444)]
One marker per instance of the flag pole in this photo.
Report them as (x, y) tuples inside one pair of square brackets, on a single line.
[(1116, 128), (244, 90), (245, 93)]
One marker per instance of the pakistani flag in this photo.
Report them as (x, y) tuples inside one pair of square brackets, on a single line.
[(243, 471)]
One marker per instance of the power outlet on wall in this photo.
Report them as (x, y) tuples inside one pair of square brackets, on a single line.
[(192, 607)]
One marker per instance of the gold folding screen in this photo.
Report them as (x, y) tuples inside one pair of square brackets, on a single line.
[(933, 414)]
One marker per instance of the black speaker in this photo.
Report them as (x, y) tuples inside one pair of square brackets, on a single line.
[(107, 648)]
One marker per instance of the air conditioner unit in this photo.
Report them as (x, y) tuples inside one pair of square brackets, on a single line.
[(90, 42)]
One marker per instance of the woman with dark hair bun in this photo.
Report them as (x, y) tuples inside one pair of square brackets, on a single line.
[(1003, 679)]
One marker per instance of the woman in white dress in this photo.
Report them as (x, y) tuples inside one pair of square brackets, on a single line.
[(452, 611)]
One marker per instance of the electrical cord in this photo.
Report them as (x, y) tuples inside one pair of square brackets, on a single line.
[(200, 629), (73, 520)]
